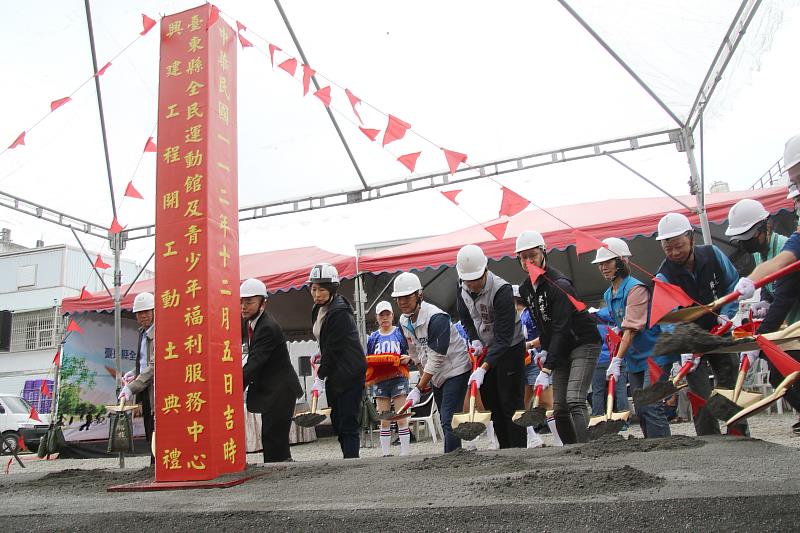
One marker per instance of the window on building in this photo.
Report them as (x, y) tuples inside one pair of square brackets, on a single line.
[(34, 330), (26, 276)]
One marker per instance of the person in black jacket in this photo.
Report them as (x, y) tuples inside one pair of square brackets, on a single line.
[(568, 338), (269, 378), (342, 361)]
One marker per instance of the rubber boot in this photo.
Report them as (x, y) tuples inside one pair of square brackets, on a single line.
[(534, 440), (551, 423)]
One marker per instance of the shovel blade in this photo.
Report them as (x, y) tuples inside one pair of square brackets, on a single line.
[(469, 430), (756, 408), (721, 407), (393, 415), (606, 427), (533, 417), (746, 398), (654, 393), (309, 419)]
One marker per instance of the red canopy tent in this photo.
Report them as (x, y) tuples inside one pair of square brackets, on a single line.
[(281, 270)]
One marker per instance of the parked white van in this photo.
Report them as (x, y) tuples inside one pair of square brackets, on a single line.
[(15, 422)]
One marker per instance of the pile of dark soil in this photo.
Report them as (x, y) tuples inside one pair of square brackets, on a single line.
[(573, 482), (461, 458), (617, 444)]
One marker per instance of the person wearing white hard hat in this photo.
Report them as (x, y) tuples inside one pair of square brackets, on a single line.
[(342, 361), (628, 302), (568, 338), (389, 381), (437, 348), (269, 378), (139, 382), (485, 305), (705, 274)]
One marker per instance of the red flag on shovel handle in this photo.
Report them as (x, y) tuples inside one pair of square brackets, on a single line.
[(784, 362), (697, 402), (655, 370)]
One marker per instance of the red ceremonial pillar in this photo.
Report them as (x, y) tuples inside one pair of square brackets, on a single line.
[(199, 405)]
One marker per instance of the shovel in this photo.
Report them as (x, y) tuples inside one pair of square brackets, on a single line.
[(467, 426), (399, 415), (787, 339), (313, 417), (725, 403), (661, 389), (764, 403), (690, 314), (611, 422), (691, 338), (535, 416), (120, 427)]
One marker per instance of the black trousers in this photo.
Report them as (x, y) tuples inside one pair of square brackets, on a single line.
[(149, 421), (503, 392), (345, 406), (275, 426)]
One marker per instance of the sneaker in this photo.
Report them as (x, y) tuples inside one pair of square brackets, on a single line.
[(796, 428), (470, 445), (535, 442)]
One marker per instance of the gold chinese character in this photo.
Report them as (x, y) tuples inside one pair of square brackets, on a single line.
[(193, 316), (192, 233), (174, 28), (196, 23), (191, 209), (170, 298), (174, 68), (228, 383), (192, 286), (172, 154), (194, 373), (197, 463), (222, 199), (194, 344), (223, 60), (222, 86), (223, 112), (221, 137), (229, 450), (194, 183), (169, 251), (172, 113), (223, 225), (194, 402), (194, 134), (171, 459), (193, 159), (226, 323), (193, 89), (225, 292), (193, 110), (226, 351), (224, 255), (229, 417), (195, 429), (194, 65), (195, 44), (171, 200), (170, 351), (224, 34), (193, 259), (171, 403), (223, 166)]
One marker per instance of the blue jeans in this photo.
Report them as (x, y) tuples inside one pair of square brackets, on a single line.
[(652, 418), (600, 390), (449, 400)]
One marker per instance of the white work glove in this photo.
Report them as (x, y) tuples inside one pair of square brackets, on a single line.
[(414, 396), (129, 376), (543, 380), (316, 359), (477, 376), (539, 357), (746, 288), (690, 357), (759, 309), (752, 355), (319, 386), (125, 393), (614, 368), (477, 347)]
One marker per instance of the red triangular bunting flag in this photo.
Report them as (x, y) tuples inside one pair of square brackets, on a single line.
[(57, 358), (100, 264), (666, 297), (115, 227), (22, 446), (579, 305), (44, 389), (697, 402), (498, 231), (103, 70), (131, 191), (453, 159), (534, 271), (240, 26), (655, 370), (84, 294), (213, 16), (272, 49), (34, 415), (55, 104), (147, 24), (353, 101), (409, 160), (307, 73), (612, 341), (395, 130), (149, 146), (782, 361), (244, 42), (19, 141), (585, 242), (73, 326), (290, 65), (451, 195), (324, 95), (369, 132), (512, 203)]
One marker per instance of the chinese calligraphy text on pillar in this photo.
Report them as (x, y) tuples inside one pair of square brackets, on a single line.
[(198, 377)]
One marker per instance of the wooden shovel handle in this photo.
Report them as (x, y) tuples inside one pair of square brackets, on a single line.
[(744, 366), (314, 400), (405, 406), (610, 398), (537, 395)]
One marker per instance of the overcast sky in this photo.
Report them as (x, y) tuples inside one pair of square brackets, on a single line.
[(491, 80)]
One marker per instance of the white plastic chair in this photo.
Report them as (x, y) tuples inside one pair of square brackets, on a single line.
[(431, 420), (761, 383)]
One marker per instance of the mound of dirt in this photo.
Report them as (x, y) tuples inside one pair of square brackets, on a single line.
[(461, 458), (573, 482), (616, 444)]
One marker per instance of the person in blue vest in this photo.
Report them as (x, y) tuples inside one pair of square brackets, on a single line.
[(705, 274), (628, 304), (390, 381), (599, 380)]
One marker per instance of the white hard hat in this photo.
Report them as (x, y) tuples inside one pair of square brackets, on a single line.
[(744, 217), (672, 225), (793, 192), (528, 240), (791, 153), (323, 273), (252, 287), (383, 306), (405, 284), (471, 262), (614, 248), (144, 301), (515, 291)]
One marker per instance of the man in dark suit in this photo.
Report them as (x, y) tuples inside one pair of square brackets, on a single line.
[(269, 378)]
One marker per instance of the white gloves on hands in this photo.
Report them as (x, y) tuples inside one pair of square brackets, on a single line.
[(539, 357), (690, 357), (614, 368), (746, 288), (316, 359), (477, 347), (759, 309), (477, 376), (751, 355), (543, 380), (414, 396), (125, 393), (319, 386), (129, 376)]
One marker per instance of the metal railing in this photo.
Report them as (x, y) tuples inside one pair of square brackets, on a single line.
[(771, 177)]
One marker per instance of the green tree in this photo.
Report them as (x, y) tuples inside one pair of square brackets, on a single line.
[(74, 375)]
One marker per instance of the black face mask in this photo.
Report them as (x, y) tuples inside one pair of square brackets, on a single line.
[(750, 246)]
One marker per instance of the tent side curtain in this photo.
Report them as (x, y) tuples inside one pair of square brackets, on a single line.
[(281, 271), (623, 218)]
